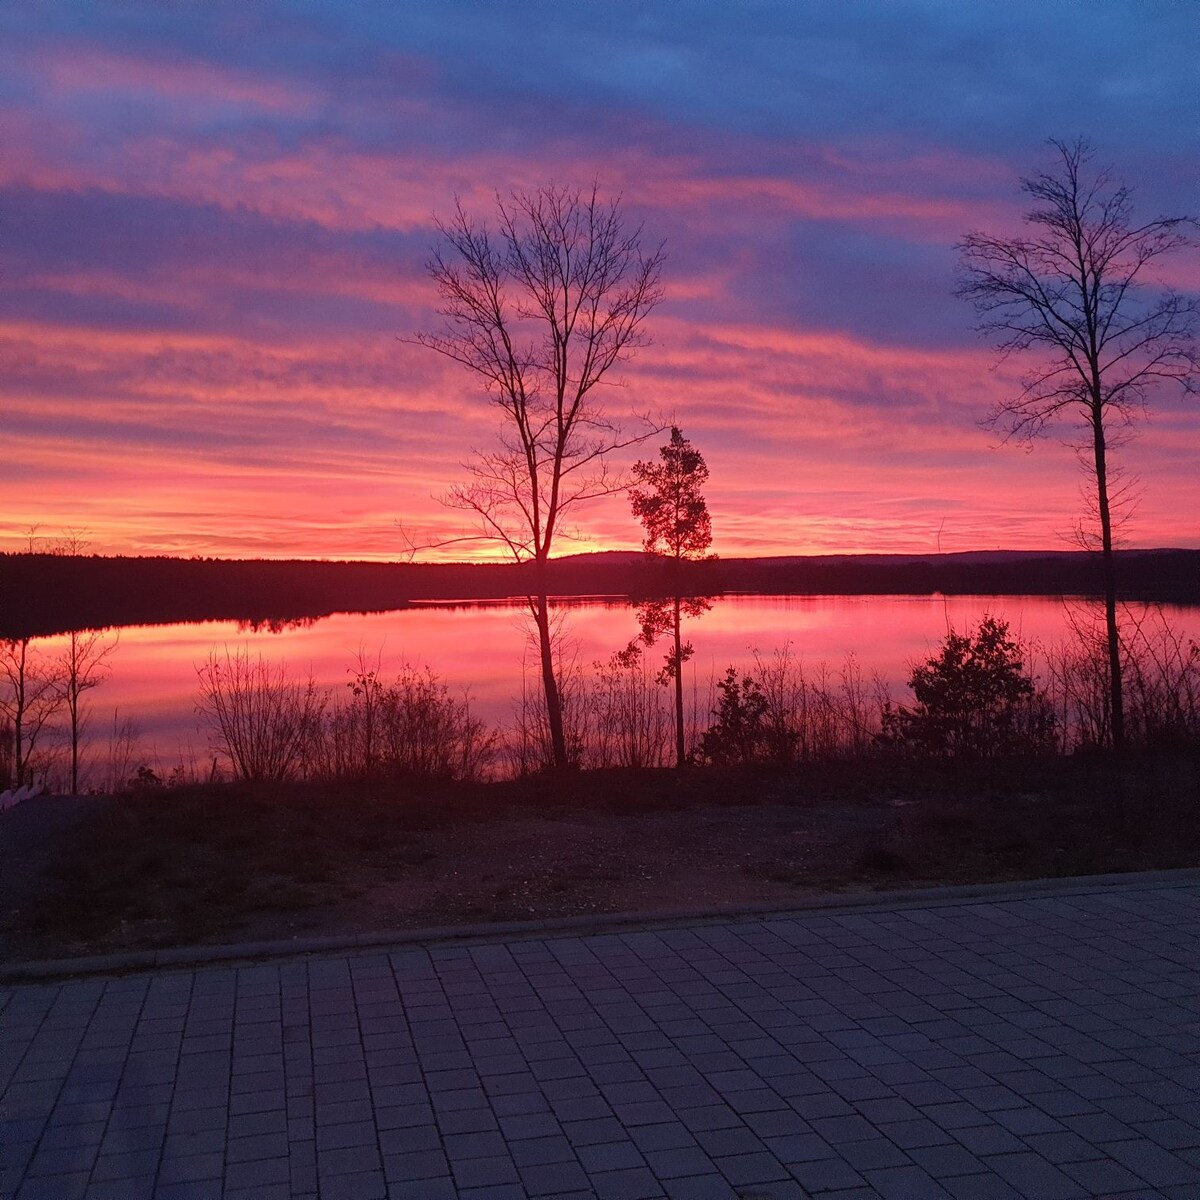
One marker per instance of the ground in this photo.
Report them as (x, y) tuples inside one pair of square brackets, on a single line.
[(242, 862)]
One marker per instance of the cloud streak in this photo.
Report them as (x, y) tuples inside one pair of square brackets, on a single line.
[(214, 225)]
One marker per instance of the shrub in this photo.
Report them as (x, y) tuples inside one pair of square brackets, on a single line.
[(263, 721), (428, 731), (740, 733), (974, 698), (1161, 669), (414, 726), (527, 746), (629, 724), (813, 713)]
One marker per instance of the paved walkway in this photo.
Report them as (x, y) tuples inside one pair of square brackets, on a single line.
[(1026, 1046)]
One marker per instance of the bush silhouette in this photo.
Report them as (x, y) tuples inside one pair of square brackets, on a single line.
[(739, 733), (974, 699)]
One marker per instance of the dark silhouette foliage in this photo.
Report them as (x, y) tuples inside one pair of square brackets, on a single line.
[(539, 310), (1071, 298), (974, 699), (740, 733), (43, 594), (668, 500)]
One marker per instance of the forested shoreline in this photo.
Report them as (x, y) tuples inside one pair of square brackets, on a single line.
[(43, 594)]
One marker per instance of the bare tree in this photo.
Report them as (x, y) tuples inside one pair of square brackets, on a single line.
[(1072, 297), (73, 543), (30, 695), (540, 311), (81, 667), (671, 507)]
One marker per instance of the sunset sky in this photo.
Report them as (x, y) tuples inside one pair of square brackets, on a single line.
[(215, 219)]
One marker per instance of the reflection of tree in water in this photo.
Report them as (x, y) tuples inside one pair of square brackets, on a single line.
[(659, 617), (275, 624)]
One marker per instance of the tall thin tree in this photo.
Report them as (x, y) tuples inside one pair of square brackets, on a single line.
[(82, 666), (668, 500), (540, 311), (1077, 299)]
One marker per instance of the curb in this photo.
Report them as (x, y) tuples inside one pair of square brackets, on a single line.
[(902, 898)]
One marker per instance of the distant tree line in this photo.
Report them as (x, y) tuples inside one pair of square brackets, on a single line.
[(43, 594)]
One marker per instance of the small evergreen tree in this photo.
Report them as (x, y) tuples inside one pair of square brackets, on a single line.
[(668, 500), (974, 698), (740, 732)]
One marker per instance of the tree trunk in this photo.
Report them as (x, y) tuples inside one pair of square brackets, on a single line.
[(554, 716), (1116, 698), (679, 751), (19, 718), (73, 698)]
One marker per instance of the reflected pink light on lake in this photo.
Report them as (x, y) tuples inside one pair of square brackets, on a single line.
[(480, 648)]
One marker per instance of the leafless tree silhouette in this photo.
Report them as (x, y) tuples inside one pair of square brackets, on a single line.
[(29, 698), (82, 666), (540, 310), (1072, 296)]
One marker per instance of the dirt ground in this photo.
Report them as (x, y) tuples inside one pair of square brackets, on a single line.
[(242, 862)]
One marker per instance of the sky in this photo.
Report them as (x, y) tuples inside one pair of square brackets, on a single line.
[(215, 224)]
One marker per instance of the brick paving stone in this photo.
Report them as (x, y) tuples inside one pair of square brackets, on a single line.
[(542, 1151), (196, 1168), (1172, 1134), (141, 1188), (670, 1135), (635, 1184), (490, 1172), (922, 1132), (981, 1187), (610, 1156), (467, 1120), (703, 1187), (415, 1164), (553, 1178), (1034, 1177), (595, 1131), (944, 1162), (1061, 1147), (1150, 1162), (750, 1169), (1027, 1120), (507, 1191), (1101, 1178), (1036, 1045), (905, 1183), (876, 1152), (54, 1187), (826, 1175)]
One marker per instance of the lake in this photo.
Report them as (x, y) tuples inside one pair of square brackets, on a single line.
[(483, 648)]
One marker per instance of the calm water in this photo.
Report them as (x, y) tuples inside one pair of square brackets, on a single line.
[(482, 648)]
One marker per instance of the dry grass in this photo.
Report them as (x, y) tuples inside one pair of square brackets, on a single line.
[(249, 861)]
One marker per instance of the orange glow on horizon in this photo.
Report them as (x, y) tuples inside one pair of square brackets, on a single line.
[(216, 257)]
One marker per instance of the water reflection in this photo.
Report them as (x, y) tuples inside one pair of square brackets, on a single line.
[(275, 624), (150, 696)]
